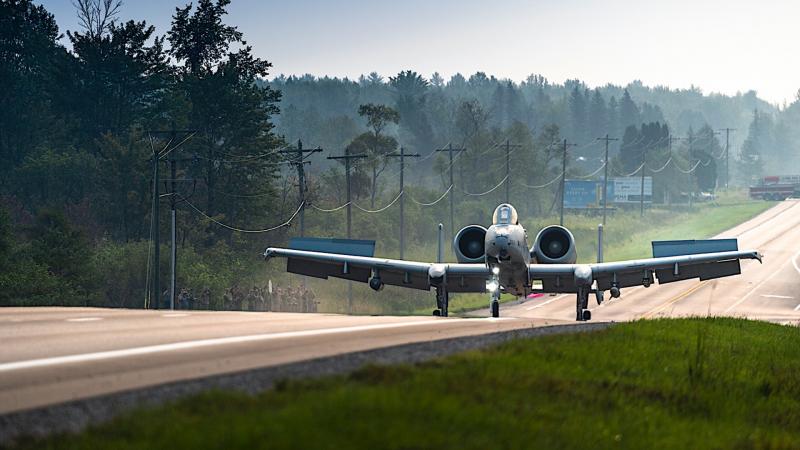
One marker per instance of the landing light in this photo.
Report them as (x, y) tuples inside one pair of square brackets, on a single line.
[(491, 286), (495, 270)]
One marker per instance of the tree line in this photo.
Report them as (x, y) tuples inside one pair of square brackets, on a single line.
[(84, 115)]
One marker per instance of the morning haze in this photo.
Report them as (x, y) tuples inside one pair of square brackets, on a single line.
[(718, 46)]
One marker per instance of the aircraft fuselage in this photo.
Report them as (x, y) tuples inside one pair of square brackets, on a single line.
[(507, 249)]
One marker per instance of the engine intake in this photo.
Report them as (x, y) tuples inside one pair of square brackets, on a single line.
[(469, 244), (554, 245)]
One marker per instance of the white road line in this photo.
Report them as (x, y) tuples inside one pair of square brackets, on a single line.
[(86, 357), (797, 308), (794, 262), (777, 296), (84, 319), (774, 274), (175, 315), (545, 303)]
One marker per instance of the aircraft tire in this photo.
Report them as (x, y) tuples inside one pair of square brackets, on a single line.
[(495, 309)]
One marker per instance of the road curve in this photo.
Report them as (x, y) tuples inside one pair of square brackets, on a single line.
[(768, 291)]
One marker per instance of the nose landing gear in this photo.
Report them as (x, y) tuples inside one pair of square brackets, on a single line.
[(494, 295)]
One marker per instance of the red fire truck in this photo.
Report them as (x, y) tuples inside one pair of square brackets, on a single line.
[(776, 187)]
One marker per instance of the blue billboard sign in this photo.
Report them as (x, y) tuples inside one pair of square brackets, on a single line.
[(581, 194)]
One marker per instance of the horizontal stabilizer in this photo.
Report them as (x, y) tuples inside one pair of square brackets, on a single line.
[(354, 247), (693, 247)]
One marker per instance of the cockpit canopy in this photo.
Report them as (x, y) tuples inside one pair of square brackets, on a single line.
[(505, 214)]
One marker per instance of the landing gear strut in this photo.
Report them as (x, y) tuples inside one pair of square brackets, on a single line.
[(442, 302), (582, 305), (494, 298)]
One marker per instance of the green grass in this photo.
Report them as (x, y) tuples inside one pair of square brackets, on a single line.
[(689, 383)]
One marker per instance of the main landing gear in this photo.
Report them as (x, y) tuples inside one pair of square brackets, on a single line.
[(582, 305), (442, 302)]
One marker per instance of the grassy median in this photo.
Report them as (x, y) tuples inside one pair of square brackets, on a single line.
[(688, 383)]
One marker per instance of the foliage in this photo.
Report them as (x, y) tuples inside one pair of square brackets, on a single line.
[(80, 125)]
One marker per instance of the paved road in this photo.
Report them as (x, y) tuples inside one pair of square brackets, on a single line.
[(768, 291), (52, 355)]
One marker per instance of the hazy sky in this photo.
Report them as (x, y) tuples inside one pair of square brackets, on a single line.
[(719, 46)]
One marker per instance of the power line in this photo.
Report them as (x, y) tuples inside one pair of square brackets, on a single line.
[(300, 162), (605, 176), (243, 230), (450, 151), (505, 178), (402, 155), (541, 185), (347, 157), (563, 178), (727, 155), (444, 194)]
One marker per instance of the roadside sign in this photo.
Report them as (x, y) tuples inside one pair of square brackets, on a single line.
[(581, 194), (588, 194), (629, 189)]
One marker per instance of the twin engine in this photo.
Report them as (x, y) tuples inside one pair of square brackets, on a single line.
[(469, 245), (553, 245)]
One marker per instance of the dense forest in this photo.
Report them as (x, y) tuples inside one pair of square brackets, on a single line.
[(96, 120)]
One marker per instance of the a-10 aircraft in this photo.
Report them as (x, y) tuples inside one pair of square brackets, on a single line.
[(498, 260)]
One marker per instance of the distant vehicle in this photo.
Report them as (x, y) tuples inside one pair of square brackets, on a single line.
[(776, 187), (705, 197), (498, 259)]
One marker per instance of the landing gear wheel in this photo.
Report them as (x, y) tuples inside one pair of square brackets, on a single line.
[(437, 312), (582, 305), (495, 309)]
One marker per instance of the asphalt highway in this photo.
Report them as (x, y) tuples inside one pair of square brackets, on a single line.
[(54, 355), (768, 291)]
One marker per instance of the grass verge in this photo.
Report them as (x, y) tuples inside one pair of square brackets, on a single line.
[(688, 383)]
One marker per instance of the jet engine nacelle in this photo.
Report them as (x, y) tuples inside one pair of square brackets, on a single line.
[(554, 245), (469, 244)]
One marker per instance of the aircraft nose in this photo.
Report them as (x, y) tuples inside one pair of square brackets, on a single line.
[(501, 243)]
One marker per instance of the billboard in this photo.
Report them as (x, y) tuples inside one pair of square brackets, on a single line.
[(581, 194), (629, 189), (587, 194)]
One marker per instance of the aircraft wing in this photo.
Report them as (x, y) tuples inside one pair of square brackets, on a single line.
[(640, 272), (410, 274)]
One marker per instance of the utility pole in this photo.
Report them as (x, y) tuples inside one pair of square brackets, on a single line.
[(173, 134), (711, 146), (450, 151), (605, 176), (563, 178), (347, 157), (402, 155), (156, 294), (727, 157), (641, 192), (299, 161), (508, 168), (670, 139)]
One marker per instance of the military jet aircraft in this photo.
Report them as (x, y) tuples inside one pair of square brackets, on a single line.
[(497, 260)]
